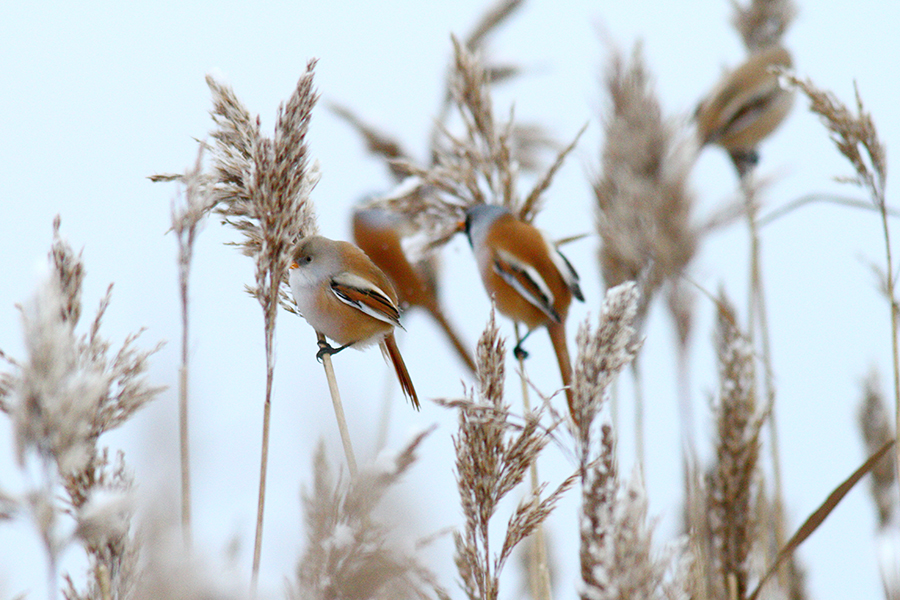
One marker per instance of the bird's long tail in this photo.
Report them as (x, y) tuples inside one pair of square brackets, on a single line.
[(455, 341), (558, 339), (390, 350)]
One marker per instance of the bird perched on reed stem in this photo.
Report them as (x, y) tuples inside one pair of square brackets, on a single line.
[(527, 277), (378, 233), (345, 297), (746, 106)]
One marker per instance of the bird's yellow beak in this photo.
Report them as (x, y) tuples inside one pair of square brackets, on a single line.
[(294, 265)]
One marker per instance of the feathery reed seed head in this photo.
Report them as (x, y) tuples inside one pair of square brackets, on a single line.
[(643, 201), (602, 353), (734, 478), (854, 135)]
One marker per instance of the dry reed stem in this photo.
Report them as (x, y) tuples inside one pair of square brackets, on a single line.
[(339, 411), (538, 568), (261, 187), (757, 318), (186, 219), (836, 199), (820, 514)]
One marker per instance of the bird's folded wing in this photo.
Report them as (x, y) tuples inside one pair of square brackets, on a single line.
[(565, 268), (526, 280), (364, 295), (738, 116)]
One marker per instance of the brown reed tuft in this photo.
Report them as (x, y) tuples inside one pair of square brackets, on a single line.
[(261, 185), (602, 354), (855, 136), (762, 23), (71, 389), (492, 456), (616, 551), (526, 141), (476, 167), (618, 560), (732, 483), (350, 553), (643, 201), (61, 399), (875, 426)]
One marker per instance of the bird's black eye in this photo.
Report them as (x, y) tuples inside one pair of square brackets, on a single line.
[(308, 259)]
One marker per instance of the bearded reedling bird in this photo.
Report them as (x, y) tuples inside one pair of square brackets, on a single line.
[(378, 232), (345, 297), (528, 279), (746, 106)]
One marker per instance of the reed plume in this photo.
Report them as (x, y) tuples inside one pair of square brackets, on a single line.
[(68, 391), (261, 187)]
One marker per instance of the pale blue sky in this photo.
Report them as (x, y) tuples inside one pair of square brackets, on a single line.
[(98, 95)]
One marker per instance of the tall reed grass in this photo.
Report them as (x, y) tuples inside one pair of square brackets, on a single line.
[(71, 385)]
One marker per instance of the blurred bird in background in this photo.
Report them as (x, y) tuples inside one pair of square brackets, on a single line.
[(747, 105), (378, 232)]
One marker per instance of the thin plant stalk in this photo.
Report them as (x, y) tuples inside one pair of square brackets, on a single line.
[(186, 221), (185, 254), (270, 313), (339, 411), (183, 422), (758, 318), (638, 412), (264, 453), (539, 570), (891, 283), (103, 582), (688, 436), (385, 419)]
